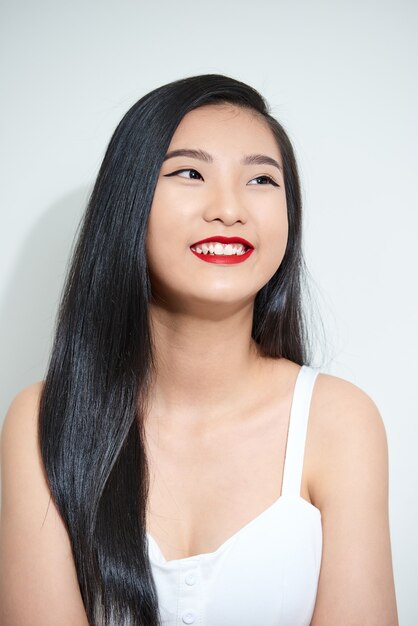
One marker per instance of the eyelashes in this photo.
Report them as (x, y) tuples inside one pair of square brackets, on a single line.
[(185, 170), (262, 177)]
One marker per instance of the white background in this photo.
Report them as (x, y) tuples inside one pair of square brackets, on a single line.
[(340, 76)]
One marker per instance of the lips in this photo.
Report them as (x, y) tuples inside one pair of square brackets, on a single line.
[(224, 259), (225, 240)]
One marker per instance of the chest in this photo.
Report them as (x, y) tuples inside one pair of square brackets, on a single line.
[(205, 489)]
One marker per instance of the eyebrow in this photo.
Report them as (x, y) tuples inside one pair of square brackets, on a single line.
[(249, 159)]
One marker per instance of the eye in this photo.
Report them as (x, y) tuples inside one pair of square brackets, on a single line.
[(186, 170), (266, 181)]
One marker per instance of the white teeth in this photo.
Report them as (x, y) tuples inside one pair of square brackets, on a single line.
[(220, 248)]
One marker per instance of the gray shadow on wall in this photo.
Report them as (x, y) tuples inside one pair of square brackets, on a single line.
[(28, 310)]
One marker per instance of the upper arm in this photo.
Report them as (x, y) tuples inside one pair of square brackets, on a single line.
[(38, 581), (356, 583)]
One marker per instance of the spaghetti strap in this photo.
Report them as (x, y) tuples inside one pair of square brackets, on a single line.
[(298, 424)]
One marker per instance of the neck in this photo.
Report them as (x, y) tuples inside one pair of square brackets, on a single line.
[(205, 367)]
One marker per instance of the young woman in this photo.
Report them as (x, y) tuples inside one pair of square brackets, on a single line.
[(182, 463)]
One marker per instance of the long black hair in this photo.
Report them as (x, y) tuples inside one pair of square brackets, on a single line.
[(91, 421)]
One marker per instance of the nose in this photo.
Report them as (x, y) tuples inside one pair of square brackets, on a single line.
[(225, 204)]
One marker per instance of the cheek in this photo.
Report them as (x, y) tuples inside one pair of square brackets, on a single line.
[(275, 239), (168, 218), (157, 237), (167, 234), (161, 222)]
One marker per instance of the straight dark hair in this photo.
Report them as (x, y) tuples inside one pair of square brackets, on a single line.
[(94, 399)]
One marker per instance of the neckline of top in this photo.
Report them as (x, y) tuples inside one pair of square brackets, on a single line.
[(281, 499)]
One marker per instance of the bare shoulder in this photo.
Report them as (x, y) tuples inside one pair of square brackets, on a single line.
[(348, 482), (35, 553), (19, 435), (23, 408), (24, 405), (20, 459), (345, 424), (336, 398)]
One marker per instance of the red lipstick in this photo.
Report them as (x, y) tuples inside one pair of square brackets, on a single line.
[(225, 259)]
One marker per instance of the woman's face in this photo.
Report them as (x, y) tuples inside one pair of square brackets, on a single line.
[(218, 195)]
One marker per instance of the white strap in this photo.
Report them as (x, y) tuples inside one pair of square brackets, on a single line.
[(298, 425)]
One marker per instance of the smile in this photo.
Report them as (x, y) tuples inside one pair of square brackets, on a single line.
[(223, 250), (223, 259)]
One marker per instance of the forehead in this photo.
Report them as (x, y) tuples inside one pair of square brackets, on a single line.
[(224, 126)]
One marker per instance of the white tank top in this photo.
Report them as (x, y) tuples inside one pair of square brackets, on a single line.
[(267, 572)]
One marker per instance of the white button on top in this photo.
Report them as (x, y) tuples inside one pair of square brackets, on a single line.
[(190, 578), (189, 616)]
